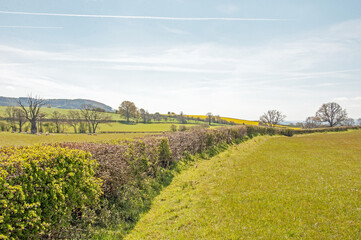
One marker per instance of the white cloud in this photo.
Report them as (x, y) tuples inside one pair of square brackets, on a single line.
[(295, 75)]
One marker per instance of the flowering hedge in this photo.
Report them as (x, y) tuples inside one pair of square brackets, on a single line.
[(45, 191)]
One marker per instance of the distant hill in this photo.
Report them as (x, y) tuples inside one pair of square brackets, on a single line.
[(57, 103)]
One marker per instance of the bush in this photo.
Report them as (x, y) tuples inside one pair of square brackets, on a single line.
[(173, 128), (46, 192)]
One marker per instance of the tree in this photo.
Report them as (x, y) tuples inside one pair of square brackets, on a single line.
[(312, 122), (181, 118), (348, 122), (143, 115), (93, 117), (32, 110), (157, 117), (73, 119), (11, 117), (332, 113), (58, 119), (128, 110), (20, 117), (272, 118), (209, 118), (359, 121)]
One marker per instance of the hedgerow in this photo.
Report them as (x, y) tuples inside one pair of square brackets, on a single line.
[(134, 171), (55, 191), (46, 192)]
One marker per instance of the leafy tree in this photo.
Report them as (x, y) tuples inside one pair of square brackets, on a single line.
[(272, 118), (143, 115), (128, 110), (32, 111), (332, 113)]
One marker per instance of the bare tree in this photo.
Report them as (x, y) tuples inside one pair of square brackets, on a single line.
[(312, 122), (58, 119), (31, 110), (11, 117), (359, 122), (20, 117), (348, 122), (73, 119), (272, 118), (94, 117), (209, 118), (332, 113), (128, 110)]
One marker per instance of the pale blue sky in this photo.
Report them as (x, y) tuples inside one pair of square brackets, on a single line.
[(232, 58)]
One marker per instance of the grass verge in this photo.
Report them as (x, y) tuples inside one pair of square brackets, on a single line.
[(306, 187)]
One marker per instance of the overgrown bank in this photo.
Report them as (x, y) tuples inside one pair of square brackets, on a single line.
[(132, 173)]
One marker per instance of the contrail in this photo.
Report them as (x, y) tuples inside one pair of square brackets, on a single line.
[(32, 27), (145, 17)]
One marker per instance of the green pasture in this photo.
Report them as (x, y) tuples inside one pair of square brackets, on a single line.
[(21, 139), (301, 187)]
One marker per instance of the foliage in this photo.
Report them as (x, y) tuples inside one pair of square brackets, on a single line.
[(128, 110), (46, 192)]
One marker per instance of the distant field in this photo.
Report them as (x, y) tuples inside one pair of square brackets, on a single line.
[(235, 120), (20, 139), (49, 111), (304, 187)]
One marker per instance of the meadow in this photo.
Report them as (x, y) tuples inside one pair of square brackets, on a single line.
[(21, 139), (304, 187)]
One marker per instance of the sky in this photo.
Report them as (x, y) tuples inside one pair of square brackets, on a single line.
[(232, 58)]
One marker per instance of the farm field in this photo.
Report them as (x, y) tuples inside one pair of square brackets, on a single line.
[(304, 187), (235, 120), (20, 139)]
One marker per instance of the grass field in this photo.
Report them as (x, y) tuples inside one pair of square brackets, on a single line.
[(304, 187), (20, 139)]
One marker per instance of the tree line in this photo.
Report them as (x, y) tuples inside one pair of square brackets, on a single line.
[(87, 119), (329, 114)]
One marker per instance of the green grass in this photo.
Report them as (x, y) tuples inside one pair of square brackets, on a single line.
[(304, 187), (20, 139), (140, 127)]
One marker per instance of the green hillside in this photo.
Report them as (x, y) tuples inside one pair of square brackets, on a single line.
[(56, 103)]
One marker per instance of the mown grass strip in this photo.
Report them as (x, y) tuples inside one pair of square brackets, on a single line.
[(307, 187)]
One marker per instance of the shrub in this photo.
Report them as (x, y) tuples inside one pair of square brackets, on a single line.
[(173, 128), (46, 192)]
